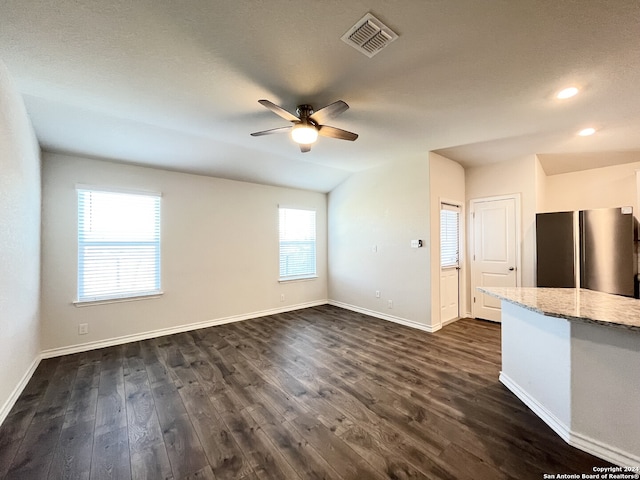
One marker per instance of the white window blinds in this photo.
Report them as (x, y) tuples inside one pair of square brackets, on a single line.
[(449, 235), (118, 245), (297, 243)]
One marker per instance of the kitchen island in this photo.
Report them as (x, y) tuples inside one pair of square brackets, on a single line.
[(573, 357)]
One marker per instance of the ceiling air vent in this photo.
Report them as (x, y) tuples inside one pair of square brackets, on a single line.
[(369, 35)]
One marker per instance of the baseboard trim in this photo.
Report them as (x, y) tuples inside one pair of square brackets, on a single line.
[(540, 410), (83, 347), (594, 447), (383, 316), (449, 322), (13, 398), (606, 452)]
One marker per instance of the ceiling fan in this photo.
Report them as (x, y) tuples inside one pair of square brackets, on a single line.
[(308, 124)]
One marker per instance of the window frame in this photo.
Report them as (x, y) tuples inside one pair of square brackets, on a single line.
[(457, 210), (309, 275), (123, 296)]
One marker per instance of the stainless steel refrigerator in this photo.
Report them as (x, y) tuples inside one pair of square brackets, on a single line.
[(594, 249)]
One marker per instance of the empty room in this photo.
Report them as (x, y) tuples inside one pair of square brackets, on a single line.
[(319, 240)]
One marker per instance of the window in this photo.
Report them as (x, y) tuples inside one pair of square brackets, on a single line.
[(118, 245), (449, 235), (297, 243)]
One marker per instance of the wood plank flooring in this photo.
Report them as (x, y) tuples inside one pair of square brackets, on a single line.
[(312, 394)]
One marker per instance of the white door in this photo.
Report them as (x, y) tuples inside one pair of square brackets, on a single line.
[(494, 257), (449, 295), (449, 262)]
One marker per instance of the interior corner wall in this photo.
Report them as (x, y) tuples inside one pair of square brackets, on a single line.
[(606, 187), (541, 186), (504, 178), (219, 257), (446, 184), (373, 216), (19, 245)]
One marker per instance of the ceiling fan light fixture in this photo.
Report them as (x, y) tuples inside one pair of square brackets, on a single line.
[(309, 124), (586, 132), (567, 93), (304, 134)]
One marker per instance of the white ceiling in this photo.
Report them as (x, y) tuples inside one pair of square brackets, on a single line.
[(175, 84)]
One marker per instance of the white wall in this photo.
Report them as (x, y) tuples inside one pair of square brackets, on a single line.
[(19, 245), (606, 187), (219, 251), (536, 359), (446, 184), (385, 208), (504, 178)]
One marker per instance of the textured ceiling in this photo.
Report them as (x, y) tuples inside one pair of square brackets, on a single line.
[(175, 84)]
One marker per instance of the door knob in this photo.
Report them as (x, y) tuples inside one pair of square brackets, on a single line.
[(511, 269)]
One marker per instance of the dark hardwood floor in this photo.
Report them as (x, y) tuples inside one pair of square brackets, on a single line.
[(316, 393)]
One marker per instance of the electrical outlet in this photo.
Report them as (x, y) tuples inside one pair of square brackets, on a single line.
[(83, 328), (282, 297), (390, 303), (377, 293)]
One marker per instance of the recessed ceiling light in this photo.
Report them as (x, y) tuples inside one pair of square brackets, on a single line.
[(586, 132), (567, 93)]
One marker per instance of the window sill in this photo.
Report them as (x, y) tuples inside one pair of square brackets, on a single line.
[(304, 278), (104, 301)]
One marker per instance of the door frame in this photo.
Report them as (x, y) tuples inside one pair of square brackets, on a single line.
[(518, 226), (462, 249)]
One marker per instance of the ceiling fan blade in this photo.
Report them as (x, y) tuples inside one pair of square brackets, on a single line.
[(273, 130), (330, 111), (281, 112), (333, 132), (305, 148)]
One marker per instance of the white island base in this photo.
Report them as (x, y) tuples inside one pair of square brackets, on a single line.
[(581, 378)]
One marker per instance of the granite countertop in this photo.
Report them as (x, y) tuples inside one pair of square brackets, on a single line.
[(574, 304)]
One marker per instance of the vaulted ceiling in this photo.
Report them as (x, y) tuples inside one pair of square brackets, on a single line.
[(175, 84)]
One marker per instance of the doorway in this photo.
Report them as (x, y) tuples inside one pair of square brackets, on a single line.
[(495, 256)]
